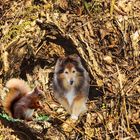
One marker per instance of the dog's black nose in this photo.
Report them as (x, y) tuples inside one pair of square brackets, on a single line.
[(71, 82)]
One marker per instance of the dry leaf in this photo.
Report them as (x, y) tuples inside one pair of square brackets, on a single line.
[(68, 125), (108, 59), (99, 82)]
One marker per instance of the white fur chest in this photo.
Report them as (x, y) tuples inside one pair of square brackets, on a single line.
[(29, 113), (70, 96)]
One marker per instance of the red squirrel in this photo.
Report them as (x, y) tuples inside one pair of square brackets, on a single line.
[(71, 85), (20, 101)]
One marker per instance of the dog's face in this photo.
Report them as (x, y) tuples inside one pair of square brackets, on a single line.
[(70, 72), (69, 76)]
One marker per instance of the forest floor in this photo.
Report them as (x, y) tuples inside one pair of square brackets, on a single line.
[(105, 34)]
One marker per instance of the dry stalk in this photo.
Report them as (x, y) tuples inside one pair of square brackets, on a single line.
[(123, 107), (112, 7), (120, 81), (5, 61), (127, 132), (6, 11), (135, 81)]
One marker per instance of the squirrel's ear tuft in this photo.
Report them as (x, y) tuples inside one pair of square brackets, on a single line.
[(36, 89)]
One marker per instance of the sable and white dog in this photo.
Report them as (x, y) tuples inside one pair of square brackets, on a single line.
[(71, 85)]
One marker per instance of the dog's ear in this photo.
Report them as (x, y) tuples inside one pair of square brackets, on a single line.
[(75, 57), (60, 60), (59, 64)]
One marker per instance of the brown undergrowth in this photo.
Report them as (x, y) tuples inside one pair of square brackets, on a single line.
[(106, 37)]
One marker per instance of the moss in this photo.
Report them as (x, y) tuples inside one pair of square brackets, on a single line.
[(16, 30)]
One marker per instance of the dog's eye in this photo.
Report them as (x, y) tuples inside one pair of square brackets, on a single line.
[(73, 71), (66, 72)]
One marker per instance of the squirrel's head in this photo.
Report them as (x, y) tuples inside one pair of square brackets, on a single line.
[(38, 92)]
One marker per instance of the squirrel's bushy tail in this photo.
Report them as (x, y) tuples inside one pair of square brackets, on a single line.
[(18, 85), (17, 89)]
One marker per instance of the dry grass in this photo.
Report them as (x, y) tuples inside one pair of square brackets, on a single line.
[(34, 35)]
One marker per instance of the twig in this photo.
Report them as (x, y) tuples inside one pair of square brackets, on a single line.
[(127, 132), (112, 7), (120, 81), (136, 80), (5, 60)]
